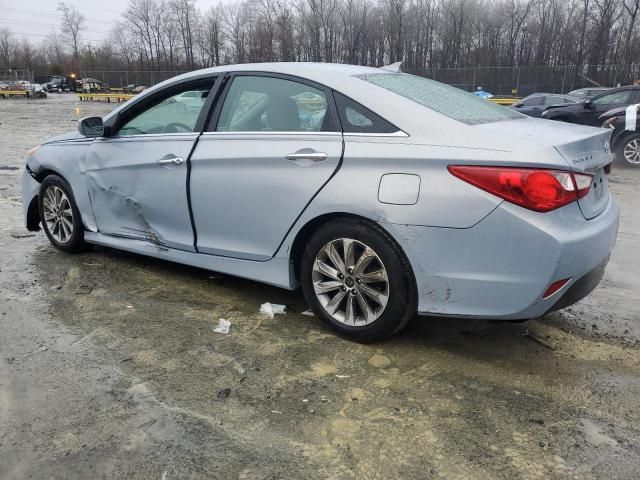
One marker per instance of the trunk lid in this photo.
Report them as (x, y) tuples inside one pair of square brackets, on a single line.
[(584, 149), (590, 155)]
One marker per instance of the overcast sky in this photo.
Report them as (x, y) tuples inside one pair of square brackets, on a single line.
[(35, 19)]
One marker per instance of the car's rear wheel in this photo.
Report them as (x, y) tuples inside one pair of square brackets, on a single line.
[(357, 280), (59, 215), (629, 150)]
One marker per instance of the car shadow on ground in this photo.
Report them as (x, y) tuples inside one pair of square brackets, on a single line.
[(467, 338)]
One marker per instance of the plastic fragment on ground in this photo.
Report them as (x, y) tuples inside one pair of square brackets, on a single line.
[(271, 309), (223, 326)]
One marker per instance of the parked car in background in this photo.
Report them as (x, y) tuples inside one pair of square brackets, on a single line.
[(392, 194), (536, 103), (589, 92), (482, 94), (37, 91), (625, 143), (588, 111), (4, 86)]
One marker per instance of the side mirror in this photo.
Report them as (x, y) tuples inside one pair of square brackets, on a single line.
[(91, 126), (587, 104)]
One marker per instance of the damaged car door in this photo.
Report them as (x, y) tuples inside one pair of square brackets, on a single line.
[(272, 143), (137, 176)]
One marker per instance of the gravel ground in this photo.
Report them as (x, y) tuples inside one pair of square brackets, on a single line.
[(110, 368)]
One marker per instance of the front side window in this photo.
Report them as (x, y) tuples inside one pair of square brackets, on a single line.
[(268, 104), (176, 113), (622, 96), (444, 99)]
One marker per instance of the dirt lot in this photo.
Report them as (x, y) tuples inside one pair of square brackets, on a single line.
[(110, 368)]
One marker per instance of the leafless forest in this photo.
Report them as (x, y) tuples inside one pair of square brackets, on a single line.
[(177, 35)]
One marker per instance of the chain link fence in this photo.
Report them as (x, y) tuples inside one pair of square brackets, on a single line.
[(517, 81), (14, 76), (120, 79)]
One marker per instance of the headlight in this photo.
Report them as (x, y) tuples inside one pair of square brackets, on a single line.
[(609, 123)]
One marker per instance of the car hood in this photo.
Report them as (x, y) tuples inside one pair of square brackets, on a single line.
[(582, 148), (65, 137), (562, 106)]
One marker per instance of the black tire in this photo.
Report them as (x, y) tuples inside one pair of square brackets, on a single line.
[(621, 144), (75, 242), (401, 305)]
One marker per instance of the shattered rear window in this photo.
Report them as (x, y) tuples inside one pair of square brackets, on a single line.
[(447, 100)]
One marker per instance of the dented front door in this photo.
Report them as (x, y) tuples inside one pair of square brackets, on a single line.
[(137, 186)]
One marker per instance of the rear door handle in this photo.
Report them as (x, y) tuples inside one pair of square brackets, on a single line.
[(171, 161), (307, 154)]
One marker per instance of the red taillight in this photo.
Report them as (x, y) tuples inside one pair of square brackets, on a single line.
[(535, 189), (555, 286)]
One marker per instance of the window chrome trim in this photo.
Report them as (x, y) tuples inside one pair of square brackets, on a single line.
[(271, 133), (398, 133), (142, 136)]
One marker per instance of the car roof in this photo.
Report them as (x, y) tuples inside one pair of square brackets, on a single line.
[(395, 108), (616, 89)]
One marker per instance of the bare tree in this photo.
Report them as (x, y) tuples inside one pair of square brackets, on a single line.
[(73, 23), (7, 46)]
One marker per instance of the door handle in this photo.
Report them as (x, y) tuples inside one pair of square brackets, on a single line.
[(171, 161), (307, 154)]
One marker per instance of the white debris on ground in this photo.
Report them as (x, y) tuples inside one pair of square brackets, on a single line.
[(223, 326), (271, 309)]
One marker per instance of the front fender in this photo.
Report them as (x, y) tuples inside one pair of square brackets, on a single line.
[(67, 160)]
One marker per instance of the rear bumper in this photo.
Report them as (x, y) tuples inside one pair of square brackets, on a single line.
[(581, 287), (501, 267)]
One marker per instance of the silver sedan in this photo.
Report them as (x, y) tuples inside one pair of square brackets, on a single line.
[(380, 193)]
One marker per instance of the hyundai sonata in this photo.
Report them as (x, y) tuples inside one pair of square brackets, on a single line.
[(380, 193)]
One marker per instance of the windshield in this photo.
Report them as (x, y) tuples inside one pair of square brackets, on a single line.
[(449, 101)]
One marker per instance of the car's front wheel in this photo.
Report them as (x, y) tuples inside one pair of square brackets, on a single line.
[(357, 280), (59, 215)]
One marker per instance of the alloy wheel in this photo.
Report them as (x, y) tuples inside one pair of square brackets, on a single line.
[(631, 152), (350, 282), (58, 214)]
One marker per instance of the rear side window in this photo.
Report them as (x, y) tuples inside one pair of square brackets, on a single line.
[(551, 100), (357, 119), (444, 99)]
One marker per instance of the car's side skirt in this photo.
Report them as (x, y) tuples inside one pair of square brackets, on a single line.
[(273, 272)]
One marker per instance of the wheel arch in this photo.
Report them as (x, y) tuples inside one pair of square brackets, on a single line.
[(87, 218), (32, 212), (313, 225)]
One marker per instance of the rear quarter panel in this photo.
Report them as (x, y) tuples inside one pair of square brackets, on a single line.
[(443, 200)]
